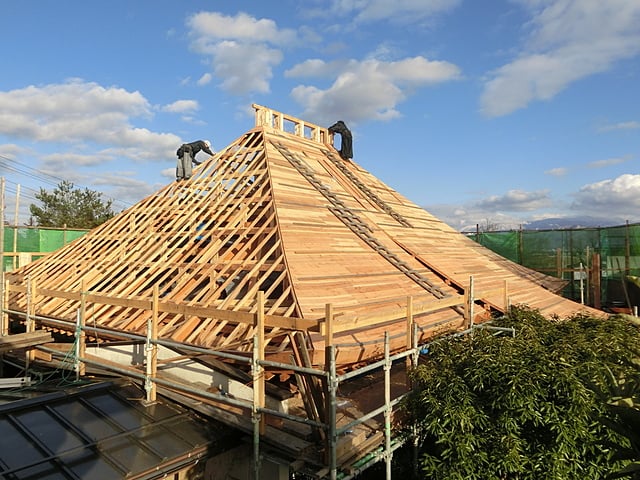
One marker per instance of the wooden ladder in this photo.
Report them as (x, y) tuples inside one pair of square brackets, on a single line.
[(355, 223), (370, 194)]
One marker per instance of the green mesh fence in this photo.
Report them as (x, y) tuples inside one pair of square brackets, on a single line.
[(28, 240), (570, 255)]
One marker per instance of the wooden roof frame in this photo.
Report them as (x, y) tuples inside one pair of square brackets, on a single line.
[(277, 211)]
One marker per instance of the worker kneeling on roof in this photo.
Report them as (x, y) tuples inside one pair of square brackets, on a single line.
[(346, 141), (187, 155)]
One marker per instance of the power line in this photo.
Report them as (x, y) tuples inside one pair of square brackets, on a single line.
[(45, 177)]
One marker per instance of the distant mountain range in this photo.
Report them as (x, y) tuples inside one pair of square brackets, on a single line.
[(555, 224), (570, 222)]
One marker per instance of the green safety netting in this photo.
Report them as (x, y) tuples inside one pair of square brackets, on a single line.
[(569, 254), (33, 240)]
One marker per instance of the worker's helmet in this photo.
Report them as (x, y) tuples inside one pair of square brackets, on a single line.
[(207, 143)]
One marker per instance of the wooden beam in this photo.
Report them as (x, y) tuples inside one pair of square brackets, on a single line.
[(24, 340)]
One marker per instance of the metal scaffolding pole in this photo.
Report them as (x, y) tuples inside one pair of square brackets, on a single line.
[(255, 414), (332, 388), (387, 402)]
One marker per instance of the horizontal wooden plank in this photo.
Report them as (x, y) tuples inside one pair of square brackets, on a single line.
[(24, 340)]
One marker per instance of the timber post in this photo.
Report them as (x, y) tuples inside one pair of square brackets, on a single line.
[(81, 334), (388, 455), (257, 417), (255, 414), (4, 316), (469, 302), (506, 297), (331, 407), (30, 313), (409, 337), (328, 323), (151, 349)]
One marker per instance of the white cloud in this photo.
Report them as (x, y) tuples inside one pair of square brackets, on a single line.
[(403, 9), (557, 172), (466, 218), (315, 67), (78, 112), (169, 173), (71, 111), (126, 189), (611, 201), (365, 89), (516, 201), (618, 197), (633, 125), (365, 11), (240, 49), (11, 149), (608, 162), (182, 106), (88, 126), (209, 26), (244, 67), (205, 79), (62, 161), (568, 40)]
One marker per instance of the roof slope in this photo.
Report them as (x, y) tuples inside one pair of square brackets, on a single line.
[(276, 211)]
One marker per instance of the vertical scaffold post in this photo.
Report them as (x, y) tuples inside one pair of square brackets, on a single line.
[(255, 415), (387, 403), (506, 297), (331, 407), (81, 334), (152, 348), (2, 187), (30, 320), (261, 378), (328, 324), (15, 228), (409, 339), (470, 302), (414, 428), (4, 316)]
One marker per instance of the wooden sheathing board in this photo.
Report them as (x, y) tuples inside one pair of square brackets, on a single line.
[(456, 257), (420, 218), (327, 261), (210, 241)]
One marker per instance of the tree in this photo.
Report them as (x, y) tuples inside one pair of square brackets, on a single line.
[(73, 207), (489, 226), (523, 407)]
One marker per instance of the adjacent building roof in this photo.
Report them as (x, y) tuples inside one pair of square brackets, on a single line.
[(100, 430)]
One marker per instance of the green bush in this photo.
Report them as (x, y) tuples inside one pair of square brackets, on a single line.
[(525, 407)]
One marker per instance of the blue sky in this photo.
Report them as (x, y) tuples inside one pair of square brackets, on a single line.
[(494, 112)]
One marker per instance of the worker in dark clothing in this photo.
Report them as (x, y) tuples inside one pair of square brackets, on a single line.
[(187, 155), (346, 140)]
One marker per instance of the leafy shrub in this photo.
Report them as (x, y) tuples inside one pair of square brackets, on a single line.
[(524, 407)]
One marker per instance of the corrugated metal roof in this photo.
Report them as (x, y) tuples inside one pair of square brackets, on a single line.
[(102, 430)]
